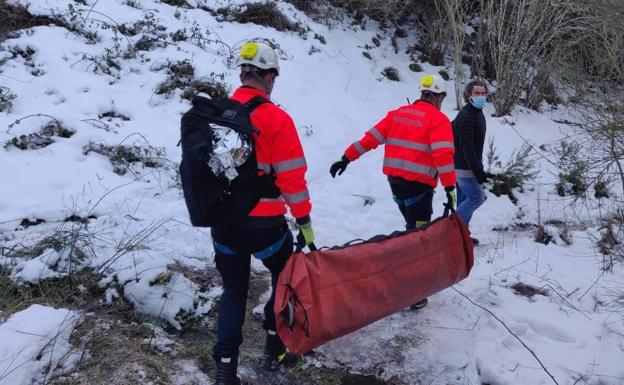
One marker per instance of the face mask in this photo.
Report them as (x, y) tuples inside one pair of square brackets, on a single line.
[(478, 101)]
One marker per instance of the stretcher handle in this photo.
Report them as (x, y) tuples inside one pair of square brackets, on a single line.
[(300, 246)]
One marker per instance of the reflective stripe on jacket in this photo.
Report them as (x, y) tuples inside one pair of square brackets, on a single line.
[(278, 150), (418, 142)]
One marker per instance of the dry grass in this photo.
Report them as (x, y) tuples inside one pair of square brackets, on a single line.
[(80, 292)]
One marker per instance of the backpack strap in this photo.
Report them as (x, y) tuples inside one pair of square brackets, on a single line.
[(255, 102)]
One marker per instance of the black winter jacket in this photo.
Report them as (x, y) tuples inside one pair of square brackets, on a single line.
[(469, 135)]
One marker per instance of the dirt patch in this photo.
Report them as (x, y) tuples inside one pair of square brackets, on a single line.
[(528, 290), (415, 67), (110, 115), (28, 222), (78, 219), (391, 73), (176, 3), (116, 350), (15, 17)]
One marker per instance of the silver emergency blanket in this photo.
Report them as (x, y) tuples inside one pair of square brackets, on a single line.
[(229, 150)]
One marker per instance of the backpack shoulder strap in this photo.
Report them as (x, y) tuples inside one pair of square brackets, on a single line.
[(255, 102)]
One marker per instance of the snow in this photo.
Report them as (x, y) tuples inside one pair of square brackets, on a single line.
[(34, 342), (140, 238)]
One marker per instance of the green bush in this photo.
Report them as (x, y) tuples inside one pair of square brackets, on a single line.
[(518, 171)]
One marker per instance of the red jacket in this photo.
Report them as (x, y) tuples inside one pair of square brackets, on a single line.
[(278, 149), (419, 144)]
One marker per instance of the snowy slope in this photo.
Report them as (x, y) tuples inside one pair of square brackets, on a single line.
[(334, 96)]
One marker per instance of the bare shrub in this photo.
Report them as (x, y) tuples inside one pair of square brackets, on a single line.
[(126, 158), (182, 77), (518, 37), (41, 139), (610, 240), (26, 54), (305, 6), (380, 10), (6, 99), (210, 86), (436, 36), (180, 74), (266, 14), (594, 76), (457, 14)]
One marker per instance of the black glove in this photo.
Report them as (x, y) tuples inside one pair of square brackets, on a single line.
[(339, 167), (489, 175), (481, 177)]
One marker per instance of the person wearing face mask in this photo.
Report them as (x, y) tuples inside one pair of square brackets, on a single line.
[(469, 132), (419, 149), (263, 233)]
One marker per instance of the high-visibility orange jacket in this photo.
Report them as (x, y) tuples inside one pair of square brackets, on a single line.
[(278, 150), (418, 142)]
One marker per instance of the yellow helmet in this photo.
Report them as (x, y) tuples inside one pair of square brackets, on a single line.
[(432, 83)]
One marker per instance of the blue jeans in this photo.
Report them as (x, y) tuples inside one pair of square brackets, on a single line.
[(233, 250), (470, 196)]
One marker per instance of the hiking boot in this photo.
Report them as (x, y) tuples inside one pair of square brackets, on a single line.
[(226, 372), (475, 241), (420, 304), (275, 353)]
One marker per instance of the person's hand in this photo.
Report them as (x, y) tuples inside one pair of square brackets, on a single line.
[(339, 167), (481, 177), (450, 190), (489, 175), (306, 233)]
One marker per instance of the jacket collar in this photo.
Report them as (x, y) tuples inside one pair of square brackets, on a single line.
[(425, 103), (472, 108), (247, 92)]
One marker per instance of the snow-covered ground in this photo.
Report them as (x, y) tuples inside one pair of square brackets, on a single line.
[(35, 342), (134, 228)]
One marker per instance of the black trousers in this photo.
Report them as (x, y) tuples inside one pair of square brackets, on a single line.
[(414, 200), (234, 247)]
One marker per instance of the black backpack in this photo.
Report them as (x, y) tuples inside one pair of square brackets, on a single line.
[(214, 200)]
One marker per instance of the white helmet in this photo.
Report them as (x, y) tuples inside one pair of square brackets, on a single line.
[(432, 83), (259, 55)]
